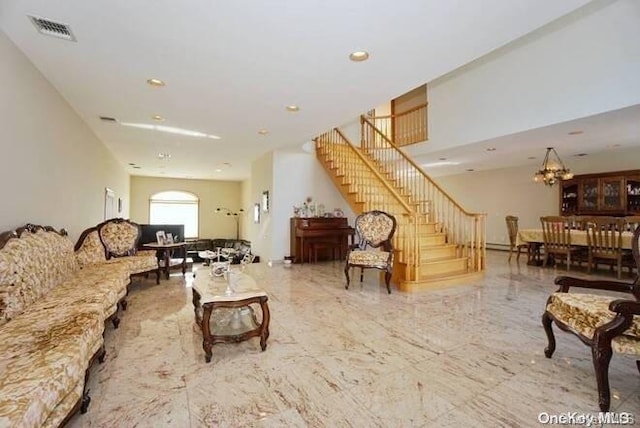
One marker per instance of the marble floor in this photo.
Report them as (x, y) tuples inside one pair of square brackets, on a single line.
[(464, 356)]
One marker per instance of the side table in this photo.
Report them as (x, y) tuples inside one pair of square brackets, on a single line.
[(167, 249)]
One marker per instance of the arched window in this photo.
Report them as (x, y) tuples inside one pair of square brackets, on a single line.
[(175, 207)]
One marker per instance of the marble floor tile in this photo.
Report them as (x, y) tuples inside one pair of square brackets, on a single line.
[(463, 356)]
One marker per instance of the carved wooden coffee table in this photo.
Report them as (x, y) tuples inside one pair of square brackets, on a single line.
[(225, 314)]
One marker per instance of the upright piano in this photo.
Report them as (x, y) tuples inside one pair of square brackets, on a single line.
[(305, 231)]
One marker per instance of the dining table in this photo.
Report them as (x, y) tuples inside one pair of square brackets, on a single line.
[(535, 239)]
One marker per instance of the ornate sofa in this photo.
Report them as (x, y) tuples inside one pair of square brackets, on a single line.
[(54, 303), (116, 241), (52, 319)]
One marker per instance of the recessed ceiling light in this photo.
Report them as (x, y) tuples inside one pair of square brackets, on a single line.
[(217, 170), (579, 155), (170, 130), (137, 167), (470, 170), (131, 163), (156, 82), (442, 159), (164, 156), (293, 108), (157, 117), (491, 149), (359, 56), (226, 164), (531, 157), (578, 132), (263, 132)]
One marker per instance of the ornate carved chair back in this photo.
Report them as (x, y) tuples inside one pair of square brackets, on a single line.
[(120, 237), (375, 228)]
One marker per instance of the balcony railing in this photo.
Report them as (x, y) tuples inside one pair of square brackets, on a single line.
[(404, 128)]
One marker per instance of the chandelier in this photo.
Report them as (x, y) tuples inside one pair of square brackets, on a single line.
[(552, 169)]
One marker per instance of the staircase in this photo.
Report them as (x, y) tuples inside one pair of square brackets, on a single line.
[(436, 242)]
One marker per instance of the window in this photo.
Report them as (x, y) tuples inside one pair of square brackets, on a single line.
[(175, 207)]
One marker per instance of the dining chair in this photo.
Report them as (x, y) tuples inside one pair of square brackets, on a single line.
[(374, 248), (631, 223), (557, 239), (604, 238), (512, 228)]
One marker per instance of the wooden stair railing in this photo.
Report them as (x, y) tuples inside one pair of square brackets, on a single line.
[(404, 128), (365, 188), (464, 229)]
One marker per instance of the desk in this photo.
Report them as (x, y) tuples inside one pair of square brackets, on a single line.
[(223, 310), (167, 249)]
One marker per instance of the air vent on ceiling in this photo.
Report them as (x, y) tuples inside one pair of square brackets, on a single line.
[(108, 119), (52, 28)]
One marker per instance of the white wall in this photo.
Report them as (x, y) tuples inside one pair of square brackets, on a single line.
[(246, 222), (296, 177), (55, 170), (211, 194), (586, 63), (262, 180), (290, 177), (512, 191)]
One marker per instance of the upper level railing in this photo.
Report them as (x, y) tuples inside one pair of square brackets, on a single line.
[(374, 192), (404, 128), (466, 230)]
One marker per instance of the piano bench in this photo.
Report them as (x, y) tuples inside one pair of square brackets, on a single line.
[(334, 247)]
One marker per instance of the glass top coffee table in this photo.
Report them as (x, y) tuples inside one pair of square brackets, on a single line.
[(225, 309)]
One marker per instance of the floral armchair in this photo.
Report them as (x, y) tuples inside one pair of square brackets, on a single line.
[(605, 323), (374, 230)]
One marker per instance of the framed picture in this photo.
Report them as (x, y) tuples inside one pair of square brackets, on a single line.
[(119, 205), (169, 238), (161, 237), (265, 201), (256, 213)]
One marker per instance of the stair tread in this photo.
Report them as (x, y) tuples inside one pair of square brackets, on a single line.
[(442, 259), (446, 275)]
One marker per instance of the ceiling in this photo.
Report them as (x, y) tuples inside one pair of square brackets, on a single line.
[(231, 67), (619, 128)]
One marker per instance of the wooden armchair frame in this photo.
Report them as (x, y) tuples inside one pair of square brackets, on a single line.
[(600, 343)]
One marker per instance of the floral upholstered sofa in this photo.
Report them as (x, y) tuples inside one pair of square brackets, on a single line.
[(52, 319), (54, 303), (116, 241)]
